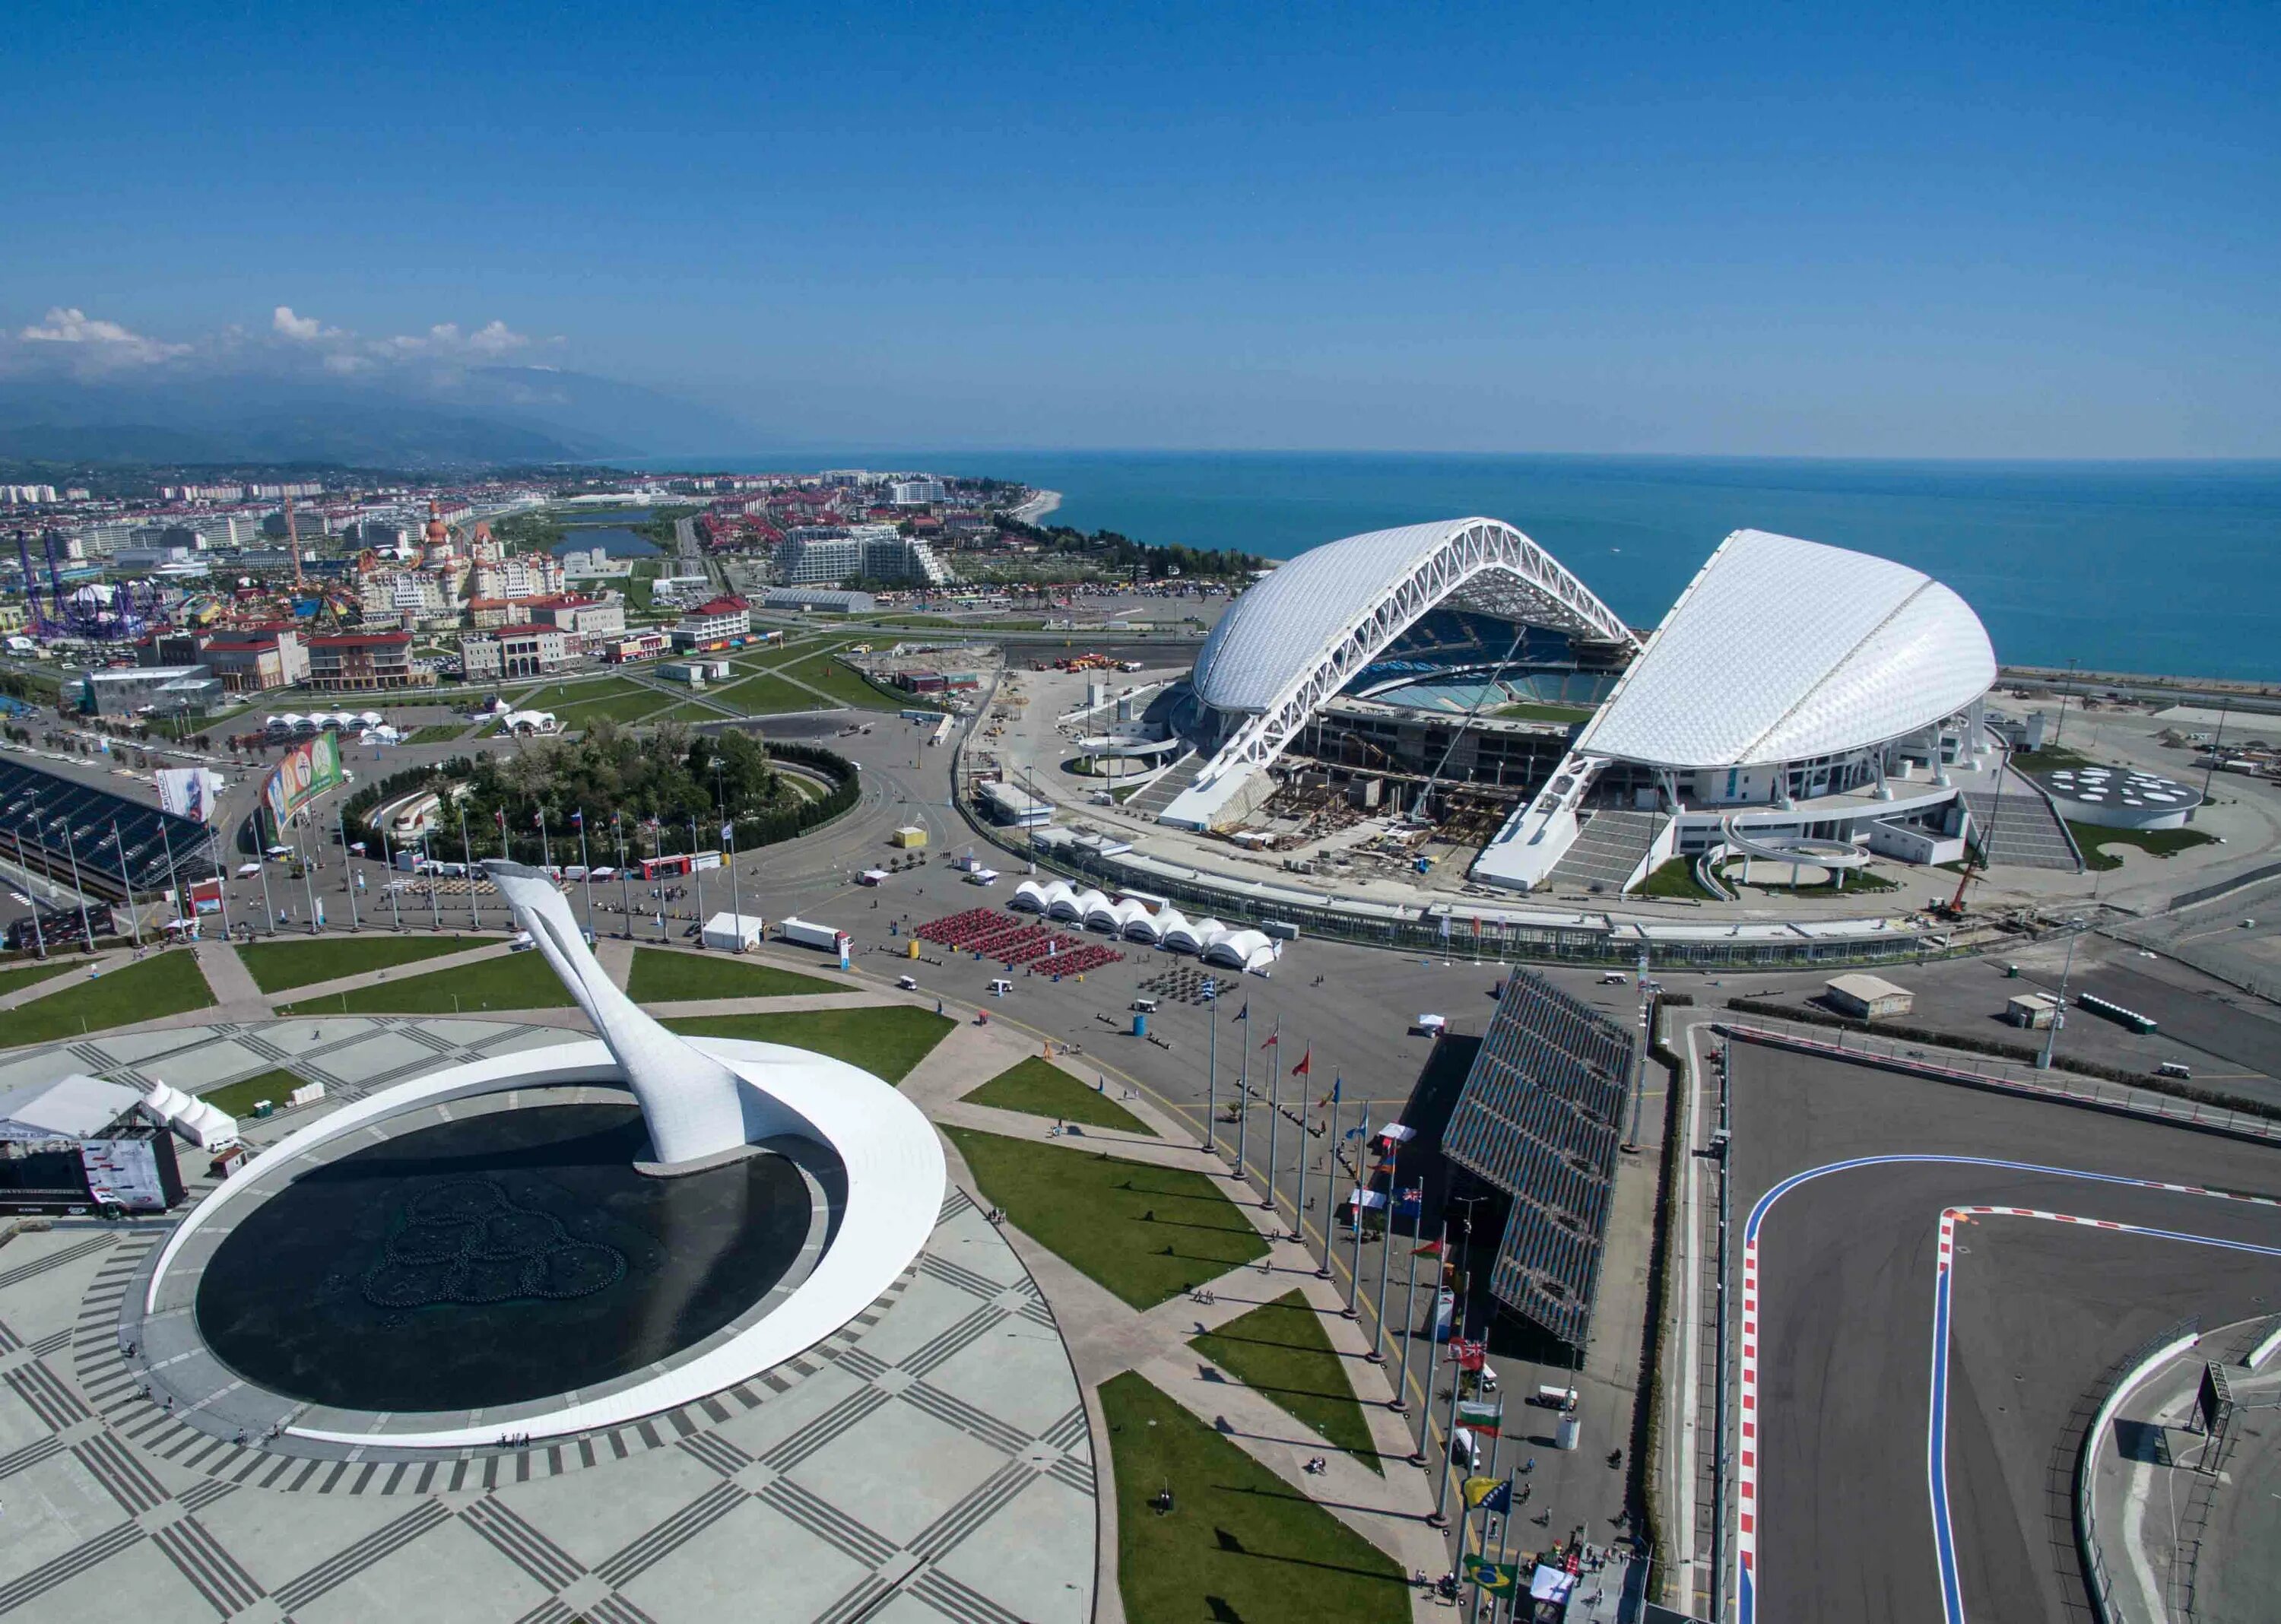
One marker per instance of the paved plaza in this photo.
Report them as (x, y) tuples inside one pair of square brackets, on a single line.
[(932, 1460)]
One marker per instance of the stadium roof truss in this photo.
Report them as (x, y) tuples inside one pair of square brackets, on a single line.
[(1482, 564)]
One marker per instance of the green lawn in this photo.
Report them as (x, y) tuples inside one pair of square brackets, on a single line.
[(1674, 877), (238, 1098), (16, 979), (844, 683), (767, 696), (2162, 842), (2051, 758), (166, 983), (512, 981), (1038, 1087), (1146, 1234), (886, 1042), (662, 976), (1239, 1545), (438, 733), (1531, 711), (1280, 1351), (618, 699), (276, 966)]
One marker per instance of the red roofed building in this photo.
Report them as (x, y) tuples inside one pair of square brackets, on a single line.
[(359, 662), (721, 624)]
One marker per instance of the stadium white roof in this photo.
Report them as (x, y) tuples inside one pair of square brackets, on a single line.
[(1353, 597), (1781, 650)]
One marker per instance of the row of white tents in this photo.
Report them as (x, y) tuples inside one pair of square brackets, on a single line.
[(323, 722), (1162, 926), (207, 1126)]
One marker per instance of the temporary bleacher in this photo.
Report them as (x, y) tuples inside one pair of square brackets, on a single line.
[(1538, 1117)]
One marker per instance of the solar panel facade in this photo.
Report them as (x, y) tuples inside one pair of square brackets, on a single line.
[(1538, 1118), (36, 806)]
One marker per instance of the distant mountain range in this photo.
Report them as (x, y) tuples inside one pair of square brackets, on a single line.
[(477, 417)]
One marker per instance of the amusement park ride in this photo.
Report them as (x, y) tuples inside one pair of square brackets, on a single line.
[(95, 610)]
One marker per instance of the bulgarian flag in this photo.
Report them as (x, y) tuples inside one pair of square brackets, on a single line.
[(1483, 1418)]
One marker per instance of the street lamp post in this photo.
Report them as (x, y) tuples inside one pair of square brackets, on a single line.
[(2058, 1015)]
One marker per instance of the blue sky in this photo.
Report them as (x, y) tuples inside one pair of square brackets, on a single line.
[(1933, 231)]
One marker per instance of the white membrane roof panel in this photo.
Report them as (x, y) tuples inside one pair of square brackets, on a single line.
[(1782, 649), (1279, 626)]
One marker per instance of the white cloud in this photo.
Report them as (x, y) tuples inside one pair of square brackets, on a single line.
[(303, 329), (494, 337), (69, 324)]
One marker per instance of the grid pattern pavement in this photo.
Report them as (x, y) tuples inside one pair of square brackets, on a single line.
[(934, 1456)]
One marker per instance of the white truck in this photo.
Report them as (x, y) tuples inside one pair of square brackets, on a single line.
[(809, 934)]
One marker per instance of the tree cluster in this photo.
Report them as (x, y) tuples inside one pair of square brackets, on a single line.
[(1121, 554)]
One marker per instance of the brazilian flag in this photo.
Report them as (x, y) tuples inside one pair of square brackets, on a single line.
[(1494, 1578)]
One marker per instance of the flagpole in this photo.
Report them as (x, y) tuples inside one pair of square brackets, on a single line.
[(348, 871), (1441, 1517), (1330, 1178), (468, 861), (587, 871), (657, 841), (388, 862), (1512, 1508), (435, 892), (1353, 1310), (736, 897), (1274, 1110), (545, 854), (1243, 1099), (625, 891), (697, 874), (1433, 1340), (1401, 1404), (1211, 1080), (214, 850), (1377, 1354), (1496, 1441)]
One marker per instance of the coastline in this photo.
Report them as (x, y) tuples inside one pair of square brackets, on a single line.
[(1037, 507)]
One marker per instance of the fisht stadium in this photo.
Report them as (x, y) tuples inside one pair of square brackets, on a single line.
[(1799, 703)]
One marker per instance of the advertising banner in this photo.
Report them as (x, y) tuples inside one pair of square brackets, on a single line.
[(308, 770), (190, 792)]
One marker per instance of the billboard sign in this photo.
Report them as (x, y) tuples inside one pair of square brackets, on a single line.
[(308, 770), (191, 792)]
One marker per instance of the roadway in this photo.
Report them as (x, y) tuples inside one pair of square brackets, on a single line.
[(1843, 1337)]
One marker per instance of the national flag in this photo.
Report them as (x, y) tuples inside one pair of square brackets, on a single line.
[(538, 818), (1471, 1356), (1273, 1037), (1384, 1166), (1306, 1065), (1244, 1014), (1332, 1098), (1494, 1578), (1411, 1200), (500, 817), (1493, 1495), (1481, 1417), (728, 832), (579, 817)]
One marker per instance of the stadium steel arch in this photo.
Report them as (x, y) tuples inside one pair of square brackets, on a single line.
[(1476, 563)]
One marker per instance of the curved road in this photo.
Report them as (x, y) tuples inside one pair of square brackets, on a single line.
[(1843, 1328)]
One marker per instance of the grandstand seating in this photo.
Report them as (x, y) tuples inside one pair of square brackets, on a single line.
[(1538, 1118), (1013, 941)]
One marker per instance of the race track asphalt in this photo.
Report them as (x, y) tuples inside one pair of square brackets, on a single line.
[(2040, 1314)]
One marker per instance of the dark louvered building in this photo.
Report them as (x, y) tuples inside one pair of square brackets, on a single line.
[(1540, 1119), (154, 849)]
